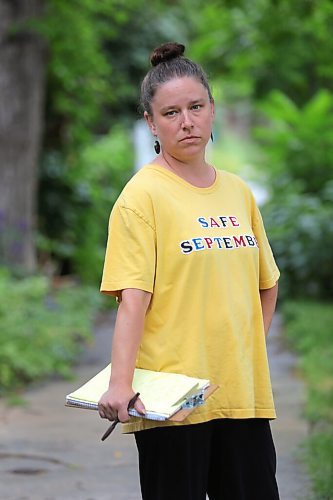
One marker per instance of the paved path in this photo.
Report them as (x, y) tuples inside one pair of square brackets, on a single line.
[(49, 452)]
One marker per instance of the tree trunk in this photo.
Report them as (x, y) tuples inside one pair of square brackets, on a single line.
[(22, 82)]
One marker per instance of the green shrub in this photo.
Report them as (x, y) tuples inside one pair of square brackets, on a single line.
[(298, 143), (75, 203), (309, 325), (300, 231), (104, 167), (42, 329)]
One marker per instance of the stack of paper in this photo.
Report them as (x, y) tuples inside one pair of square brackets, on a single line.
[(163, 394)]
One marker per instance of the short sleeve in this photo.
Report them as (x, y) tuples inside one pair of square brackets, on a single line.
[(268, 270), (130, 257)]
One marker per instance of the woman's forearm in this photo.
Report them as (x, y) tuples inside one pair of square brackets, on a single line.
[(127, 334), (268, 299), (126, 340)]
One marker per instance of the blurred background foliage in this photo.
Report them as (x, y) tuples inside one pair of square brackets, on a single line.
[(270, 66), (270, 58), (94, 73), (269, 63)]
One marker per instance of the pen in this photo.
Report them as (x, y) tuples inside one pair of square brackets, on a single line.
[(115, 422)]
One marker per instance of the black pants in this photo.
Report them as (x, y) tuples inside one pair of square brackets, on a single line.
[(228, 459)]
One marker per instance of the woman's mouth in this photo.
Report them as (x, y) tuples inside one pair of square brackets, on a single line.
[(190, 138)]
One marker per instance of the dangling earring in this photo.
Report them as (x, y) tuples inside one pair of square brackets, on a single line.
[(212, 137), (157, 147)]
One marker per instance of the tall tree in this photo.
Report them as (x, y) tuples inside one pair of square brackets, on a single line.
[(254, 46), (22, 73)]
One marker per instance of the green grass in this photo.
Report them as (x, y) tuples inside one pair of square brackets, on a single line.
[(319, 452), (309, 331)]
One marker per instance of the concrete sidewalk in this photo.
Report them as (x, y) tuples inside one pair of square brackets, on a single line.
[(50, 452)]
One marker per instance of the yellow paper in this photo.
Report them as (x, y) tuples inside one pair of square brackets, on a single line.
[(161, 393)]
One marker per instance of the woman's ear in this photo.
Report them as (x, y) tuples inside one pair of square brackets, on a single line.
[(149, 119), (212, 103)]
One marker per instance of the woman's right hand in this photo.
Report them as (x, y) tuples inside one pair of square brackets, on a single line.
[(114, 403)]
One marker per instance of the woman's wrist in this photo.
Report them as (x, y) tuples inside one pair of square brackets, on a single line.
[(120, 384)]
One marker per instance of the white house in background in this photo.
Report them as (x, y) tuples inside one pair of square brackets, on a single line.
[(143, 144), (259, 192)]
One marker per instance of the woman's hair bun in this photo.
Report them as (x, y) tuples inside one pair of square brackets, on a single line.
[(166, 52)]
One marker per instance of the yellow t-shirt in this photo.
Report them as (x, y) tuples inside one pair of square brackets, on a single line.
[(204, 255)]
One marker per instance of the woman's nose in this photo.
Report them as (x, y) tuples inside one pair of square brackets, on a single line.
[(186, 120)]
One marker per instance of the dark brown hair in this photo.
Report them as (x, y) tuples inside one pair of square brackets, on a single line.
[(167, 63)]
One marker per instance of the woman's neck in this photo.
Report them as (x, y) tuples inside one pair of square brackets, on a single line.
[(196, 171)]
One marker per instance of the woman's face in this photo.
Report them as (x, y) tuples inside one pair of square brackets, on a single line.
[(182, 117)]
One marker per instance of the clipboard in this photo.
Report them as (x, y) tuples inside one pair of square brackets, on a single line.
[(183, 413), (160, 390)]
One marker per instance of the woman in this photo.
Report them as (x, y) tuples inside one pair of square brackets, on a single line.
[(189, 261)]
